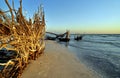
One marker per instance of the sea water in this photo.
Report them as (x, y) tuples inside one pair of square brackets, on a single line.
[(100, 52)]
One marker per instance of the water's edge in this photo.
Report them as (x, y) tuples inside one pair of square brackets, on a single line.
[(99, 52)]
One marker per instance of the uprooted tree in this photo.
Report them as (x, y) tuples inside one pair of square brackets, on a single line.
[(25, 36)]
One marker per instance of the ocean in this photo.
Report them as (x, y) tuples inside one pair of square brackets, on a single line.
[(99, 52)]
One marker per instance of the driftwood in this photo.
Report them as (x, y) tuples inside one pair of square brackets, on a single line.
[(25, 36), (61, 37), (78, 37)]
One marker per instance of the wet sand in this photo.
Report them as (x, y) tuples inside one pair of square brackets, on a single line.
[(57, 62)]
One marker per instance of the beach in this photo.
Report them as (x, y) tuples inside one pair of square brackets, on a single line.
[(57, 62)]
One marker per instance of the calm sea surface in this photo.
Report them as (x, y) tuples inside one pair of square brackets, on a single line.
[(99, 52)]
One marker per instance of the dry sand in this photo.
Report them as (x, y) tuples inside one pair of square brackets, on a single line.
[(57, 62)]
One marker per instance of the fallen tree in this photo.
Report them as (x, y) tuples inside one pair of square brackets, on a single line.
[(23, 37)]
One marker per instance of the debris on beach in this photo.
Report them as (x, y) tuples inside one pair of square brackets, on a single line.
[(78, 37), (65, 37), (21, 40)]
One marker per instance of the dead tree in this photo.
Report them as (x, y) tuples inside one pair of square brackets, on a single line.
[(25, 37)]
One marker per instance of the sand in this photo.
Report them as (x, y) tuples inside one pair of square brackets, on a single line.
[(57, 62)]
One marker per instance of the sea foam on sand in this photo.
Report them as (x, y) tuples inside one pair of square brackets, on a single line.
[(57, 62)]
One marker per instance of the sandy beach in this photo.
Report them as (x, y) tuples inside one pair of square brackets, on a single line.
[(57, 62)]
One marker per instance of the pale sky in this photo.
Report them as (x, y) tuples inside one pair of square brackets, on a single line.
[(78, 16)]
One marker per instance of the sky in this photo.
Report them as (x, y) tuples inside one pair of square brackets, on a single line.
[(78, 16)]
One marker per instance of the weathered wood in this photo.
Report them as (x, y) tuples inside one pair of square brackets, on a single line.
[(24, 37)]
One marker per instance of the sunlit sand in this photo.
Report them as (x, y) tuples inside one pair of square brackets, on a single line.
[(57, 62)]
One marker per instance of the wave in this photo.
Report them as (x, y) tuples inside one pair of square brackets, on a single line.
[(101, 52), (104, 65), (85, 48), (116, 44)]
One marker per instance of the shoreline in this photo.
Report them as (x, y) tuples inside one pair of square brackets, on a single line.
[(57, 62)]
